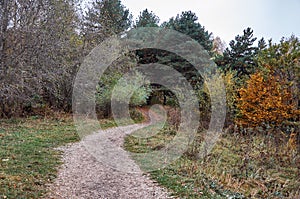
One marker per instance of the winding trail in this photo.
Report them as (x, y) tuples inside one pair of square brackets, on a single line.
[(83, 176)]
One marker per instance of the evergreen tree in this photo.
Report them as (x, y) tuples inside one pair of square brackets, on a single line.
[(186, 23), (262, 44), (105, 18), (147, 19), (283, 60), (240, 56)]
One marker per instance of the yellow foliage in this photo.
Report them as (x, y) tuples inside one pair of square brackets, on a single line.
[(292, 143), (265, 101)]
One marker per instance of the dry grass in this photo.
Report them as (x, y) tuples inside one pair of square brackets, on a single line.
[(239, 166)]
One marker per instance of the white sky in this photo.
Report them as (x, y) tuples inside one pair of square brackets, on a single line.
[(228, 18)]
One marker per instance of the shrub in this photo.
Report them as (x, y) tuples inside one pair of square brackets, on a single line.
[(265, 101)]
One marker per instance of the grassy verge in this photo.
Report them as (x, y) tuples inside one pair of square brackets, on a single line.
[(28, 160), (183, 177), (239, 166)]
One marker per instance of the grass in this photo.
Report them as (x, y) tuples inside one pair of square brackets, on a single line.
[(186, 180), (181, 177), (239, 166), (137, 144), (28, 159)]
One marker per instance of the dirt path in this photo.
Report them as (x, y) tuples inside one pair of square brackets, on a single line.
[(83, 176)]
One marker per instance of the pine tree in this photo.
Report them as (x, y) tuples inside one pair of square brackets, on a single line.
[(186, 23), (147, 19), (240, 56), (106, 18), (262, 44), (283, 60)]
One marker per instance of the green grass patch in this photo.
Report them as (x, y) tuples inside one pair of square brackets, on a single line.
[(28, 158), (157, 137)]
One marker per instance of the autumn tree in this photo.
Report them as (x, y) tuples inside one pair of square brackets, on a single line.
[(38, 54), (238, 60), (283, 60), (265, 102), (219, 46)]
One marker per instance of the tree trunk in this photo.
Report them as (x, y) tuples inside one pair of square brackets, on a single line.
[(3, 35)]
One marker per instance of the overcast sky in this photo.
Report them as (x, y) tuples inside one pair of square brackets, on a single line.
[(227, 18)]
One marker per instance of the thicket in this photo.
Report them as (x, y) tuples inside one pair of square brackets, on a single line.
[(43, 43)]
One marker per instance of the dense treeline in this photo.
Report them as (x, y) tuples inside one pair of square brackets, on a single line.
[(42, 44), (38, 55)]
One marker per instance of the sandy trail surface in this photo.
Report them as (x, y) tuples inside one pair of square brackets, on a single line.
[(103, 174)]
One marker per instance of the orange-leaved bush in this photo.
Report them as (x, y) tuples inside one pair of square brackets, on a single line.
[(265, 101)]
